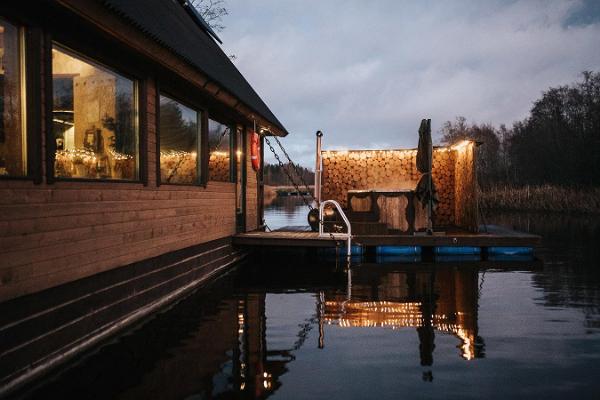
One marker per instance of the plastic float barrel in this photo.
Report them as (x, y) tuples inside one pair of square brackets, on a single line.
[(403, 259), (511, 251), (457, 250), (398, 250), (355, 250)]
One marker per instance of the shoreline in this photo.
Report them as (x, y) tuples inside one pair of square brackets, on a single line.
[(541, 198)]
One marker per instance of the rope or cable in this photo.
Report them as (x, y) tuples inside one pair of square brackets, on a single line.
[(227, 129), (287, 172), (296, 186), (298, 172), (480, 287)]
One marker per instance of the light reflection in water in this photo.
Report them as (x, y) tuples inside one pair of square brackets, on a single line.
[(267, 330), (442, 300)]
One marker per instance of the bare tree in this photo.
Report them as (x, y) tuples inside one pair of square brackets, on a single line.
[(212, 11), (559, 143), (488, 160)]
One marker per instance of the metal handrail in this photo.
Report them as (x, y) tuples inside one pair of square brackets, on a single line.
[(347, 235)]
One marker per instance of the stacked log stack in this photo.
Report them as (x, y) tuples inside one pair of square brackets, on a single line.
[(444, 161), (391, 170), (219, 167), (465, 210)]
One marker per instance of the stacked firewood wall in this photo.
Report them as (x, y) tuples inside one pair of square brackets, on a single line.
[(387, 169), (443, 178), (466, 187), (219, 167)]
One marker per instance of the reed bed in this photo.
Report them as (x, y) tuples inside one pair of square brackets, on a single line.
[(270, 194), (541, 198)]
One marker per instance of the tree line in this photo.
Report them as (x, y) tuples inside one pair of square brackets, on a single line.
[(558, 143), (274, 175)]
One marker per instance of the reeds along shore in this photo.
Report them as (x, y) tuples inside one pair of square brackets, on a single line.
[(270, 194), (541, 198)]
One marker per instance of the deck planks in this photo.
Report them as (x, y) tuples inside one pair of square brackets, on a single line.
[(293, 236)]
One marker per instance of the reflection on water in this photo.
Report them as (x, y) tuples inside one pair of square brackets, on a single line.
[(571, 254), (295, 327), (437, 299), (286, 211), (217, 343)]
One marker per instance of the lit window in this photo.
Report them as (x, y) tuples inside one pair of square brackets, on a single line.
[(219, 145), (95, 121), (13, 160), (179, 143)]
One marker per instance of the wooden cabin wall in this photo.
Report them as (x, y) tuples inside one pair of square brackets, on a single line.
[(251, 190), (387, 169), (465, 209), (51, 234)]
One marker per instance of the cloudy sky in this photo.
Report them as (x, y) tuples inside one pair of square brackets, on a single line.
[(366, 72)]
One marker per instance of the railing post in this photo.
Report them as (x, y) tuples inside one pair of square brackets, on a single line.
[(347, 235)]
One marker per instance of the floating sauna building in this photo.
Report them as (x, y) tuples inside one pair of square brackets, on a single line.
[(125, 141), (385, 181), (379, 212)]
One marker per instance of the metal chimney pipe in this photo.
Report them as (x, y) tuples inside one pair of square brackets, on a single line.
[(317, 188)]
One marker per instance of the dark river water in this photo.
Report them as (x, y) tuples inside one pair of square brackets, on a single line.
[(292, 327)]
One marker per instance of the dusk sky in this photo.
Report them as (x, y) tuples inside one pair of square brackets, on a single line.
[(365, 73)]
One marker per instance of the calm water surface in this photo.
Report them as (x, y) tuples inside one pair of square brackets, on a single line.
[(294, 327)]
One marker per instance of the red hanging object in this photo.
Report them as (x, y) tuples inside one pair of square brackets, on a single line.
[(255, 151)]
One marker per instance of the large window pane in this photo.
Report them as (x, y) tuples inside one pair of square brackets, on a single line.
[(95, 121), (219, 145), (179, 133), (12, 130)]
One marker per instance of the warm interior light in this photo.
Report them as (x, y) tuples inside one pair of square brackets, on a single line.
[(463, 144)]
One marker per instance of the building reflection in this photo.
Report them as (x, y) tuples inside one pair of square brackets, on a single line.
[(441, 300), (215, 344)]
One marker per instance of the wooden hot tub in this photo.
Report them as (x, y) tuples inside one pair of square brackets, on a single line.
[(399, 209)]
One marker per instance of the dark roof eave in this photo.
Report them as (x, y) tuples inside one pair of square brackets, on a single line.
[(219, 69)]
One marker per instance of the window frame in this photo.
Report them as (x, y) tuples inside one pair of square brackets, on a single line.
[(29, 76), (202, 170), (232, 147), (140, 99)]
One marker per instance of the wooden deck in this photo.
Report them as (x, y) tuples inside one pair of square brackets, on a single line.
[(303, 237)]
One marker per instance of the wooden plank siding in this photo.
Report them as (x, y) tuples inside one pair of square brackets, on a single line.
[(55, 233), (52, 234), (37, 331)]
